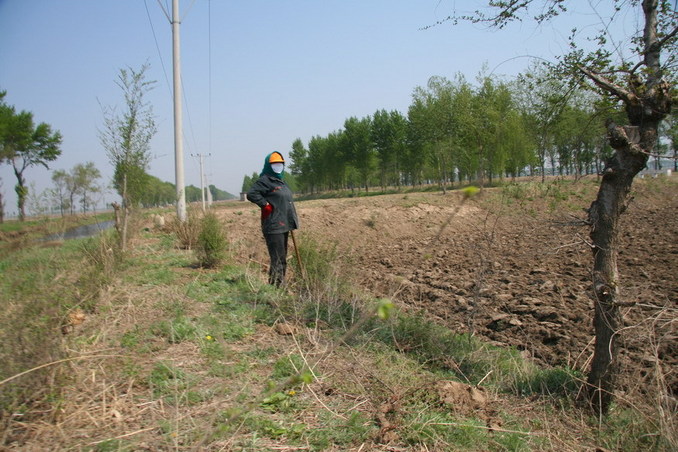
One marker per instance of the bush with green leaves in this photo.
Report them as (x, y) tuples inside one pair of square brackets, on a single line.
[(212, 243)]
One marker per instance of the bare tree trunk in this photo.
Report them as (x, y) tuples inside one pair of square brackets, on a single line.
[(647, 103), (604, 217), (125, 216), (632, 145)]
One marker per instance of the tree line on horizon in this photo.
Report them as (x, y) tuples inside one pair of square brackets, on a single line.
[(458, 132), (125, 137)]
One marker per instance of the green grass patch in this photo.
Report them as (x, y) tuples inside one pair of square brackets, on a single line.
[(177, 330), (555, 382)]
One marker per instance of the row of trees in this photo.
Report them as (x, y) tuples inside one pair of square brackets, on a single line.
[(456, 131), (80, 190), (125, 137), (160, 193)]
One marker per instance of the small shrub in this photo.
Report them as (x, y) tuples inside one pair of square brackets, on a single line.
[(211, 245)]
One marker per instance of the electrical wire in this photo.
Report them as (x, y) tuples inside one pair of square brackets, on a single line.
[(157, 47)]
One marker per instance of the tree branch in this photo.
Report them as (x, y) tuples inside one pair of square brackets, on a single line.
[(665, 39), (610, 87)]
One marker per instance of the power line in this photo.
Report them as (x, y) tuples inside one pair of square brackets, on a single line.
[(157, 47)]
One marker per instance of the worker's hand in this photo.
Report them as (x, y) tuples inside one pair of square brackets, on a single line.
[(266, 211)]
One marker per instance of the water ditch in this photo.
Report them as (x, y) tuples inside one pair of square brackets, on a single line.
[(81, 232)]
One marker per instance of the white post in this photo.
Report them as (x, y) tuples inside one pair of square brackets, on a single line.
[(178, 133)]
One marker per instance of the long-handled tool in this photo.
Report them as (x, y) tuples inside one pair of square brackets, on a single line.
[(296, 251)]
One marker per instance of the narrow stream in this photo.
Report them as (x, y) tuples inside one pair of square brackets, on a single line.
[(81, 232)]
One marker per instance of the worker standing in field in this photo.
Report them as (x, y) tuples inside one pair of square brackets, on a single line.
[(278, 215)]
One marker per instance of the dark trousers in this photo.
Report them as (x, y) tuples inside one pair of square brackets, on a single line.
[(277, 250)]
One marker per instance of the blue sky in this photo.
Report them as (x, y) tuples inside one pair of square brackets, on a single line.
[(257, 74)]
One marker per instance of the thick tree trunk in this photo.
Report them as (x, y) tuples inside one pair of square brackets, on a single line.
[(604, 217), (647, 103), (632, 145)]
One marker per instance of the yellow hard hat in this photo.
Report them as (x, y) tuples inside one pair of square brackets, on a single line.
[(276, 157)]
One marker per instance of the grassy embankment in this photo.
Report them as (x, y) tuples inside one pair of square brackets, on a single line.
[(103, 351)]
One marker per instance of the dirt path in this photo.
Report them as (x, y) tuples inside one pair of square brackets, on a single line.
[(513, 270)]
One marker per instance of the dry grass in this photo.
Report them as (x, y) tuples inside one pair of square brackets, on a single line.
[(172, 357)]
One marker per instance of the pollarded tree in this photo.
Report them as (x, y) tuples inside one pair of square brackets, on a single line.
[(643, 83)]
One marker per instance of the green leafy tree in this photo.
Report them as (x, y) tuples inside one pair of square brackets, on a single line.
[(80, 180), (644, 85), (64, 191), (86, 176), (389, 133), (248, 181), (219, 195), (417, 139), (298, 155), (314, 163), (357, 142), (542, 98), (25, 145), (126, 137), (382, 137), (158, 193), (433, 115)]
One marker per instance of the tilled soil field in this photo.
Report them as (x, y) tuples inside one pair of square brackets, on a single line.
[(511, 265)]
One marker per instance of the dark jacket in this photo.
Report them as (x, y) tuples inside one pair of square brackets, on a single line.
[(274, 191)]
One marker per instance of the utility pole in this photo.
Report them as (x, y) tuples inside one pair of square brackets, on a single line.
[(178, 132), (202, 178)]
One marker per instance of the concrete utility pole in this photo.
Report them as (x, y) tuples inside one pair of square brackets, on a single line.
[(178, 132), (202, 179)]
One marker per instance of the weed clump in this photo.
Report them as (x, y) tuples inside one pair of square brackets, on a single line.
[(187, 231), (102, 257), (325, 292)]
